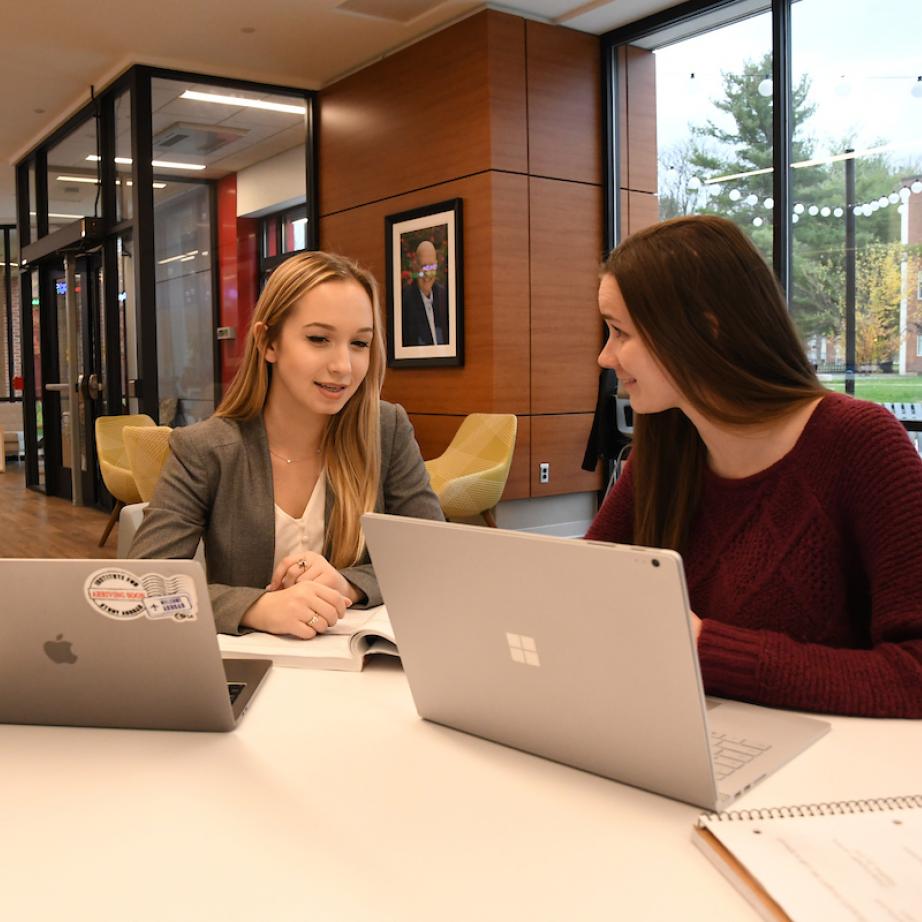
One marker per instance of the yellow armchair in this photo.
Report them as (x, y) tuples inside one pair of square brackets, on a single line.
[(470, 476), (113, 463), (148, 448)]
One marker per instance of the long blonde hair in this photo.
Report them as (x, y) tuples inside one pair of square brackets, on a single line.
[(351, 446)]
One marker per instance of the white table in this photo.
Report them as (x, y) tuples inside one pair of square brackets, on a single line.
[(333, 800)]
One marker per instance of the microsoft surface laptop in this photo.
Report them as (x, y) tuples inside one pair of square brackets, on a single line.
[(116, 643), (577, 651)]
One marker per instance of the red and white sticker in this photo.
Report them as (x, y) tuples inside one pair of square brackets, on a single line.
[(122, 596)]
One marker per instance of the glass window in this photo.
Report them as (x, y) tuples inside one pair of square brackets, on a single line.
[(33, 205), (38, 383), (250, 146), (294, 231), (6, 373), (283, 234), (10, 315), (73, 177), (714, 125), (127, 318), (861, 116), (185, 314), (124, 208)]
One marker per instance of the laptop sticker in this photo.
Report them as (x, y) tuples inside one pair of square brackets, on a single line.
[(122, 596)]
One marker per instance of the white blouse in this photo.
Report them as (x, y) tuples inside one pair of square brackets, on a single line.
[(295, 536)]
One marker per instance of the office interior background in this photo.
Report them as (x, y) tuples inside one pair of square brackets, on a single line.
[(207, 148)]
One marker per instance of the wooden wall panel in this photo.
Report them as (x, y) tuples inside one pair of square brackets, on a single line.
[(643, 210), (641, 120), (494, 378), (561, 441), (566, 335), (422, 116), (507, 92), (564, 102), (435, 432)]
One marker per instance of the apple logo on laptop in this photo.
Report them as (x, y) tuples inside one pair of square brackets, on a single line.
[(59, 650)]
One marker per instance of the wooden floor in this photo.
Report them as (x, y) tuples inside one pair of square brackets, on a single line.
[(34, 525)]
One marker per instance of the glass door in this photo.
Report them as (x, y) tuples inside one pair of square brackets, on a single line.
[(73, 367)]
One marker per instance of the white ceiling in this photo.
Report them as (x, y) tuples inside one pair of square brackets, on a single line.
[(60, 50)]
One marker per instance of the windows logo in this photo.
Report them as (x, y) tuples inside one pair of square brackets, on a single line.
[(522, 649)]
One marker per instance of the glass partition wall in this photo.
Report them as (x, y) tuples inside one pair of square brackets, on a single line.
[(125, 213), (803, 127)]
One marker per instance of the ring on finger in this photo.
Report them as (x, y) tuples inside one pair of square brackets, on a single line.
[(313, 620)]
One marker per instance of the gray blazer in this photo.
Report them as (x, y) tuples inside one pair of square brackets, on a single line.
[(217, 486)]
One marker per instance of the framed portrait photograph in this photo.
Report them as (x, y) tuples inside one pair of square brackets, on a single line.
[(425, 305)]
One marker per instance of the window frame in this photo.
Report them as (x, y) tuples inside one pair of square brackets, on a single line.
[(692, 12), (6, 299), (268, 263)]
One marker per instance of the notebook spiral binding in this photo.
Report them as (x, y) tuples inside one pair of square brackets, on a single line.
[(880, 805)]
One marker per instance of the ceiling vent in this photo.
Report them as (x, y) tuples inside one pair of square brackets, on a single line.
[(200, 140), (391, 10)]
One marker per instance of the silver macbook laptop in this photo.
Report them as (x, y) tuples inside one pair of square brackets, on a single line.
[(577, 651), (116, 643)]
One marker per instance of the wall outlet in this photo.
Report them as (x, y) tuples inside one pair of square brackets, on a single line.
[(544, 472)]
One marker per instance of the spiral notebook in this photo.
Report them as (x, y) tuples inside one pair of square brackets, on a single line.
[(860, 859)]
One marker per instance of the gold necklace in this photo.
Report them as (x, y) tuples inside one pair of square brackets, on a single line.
[(293, 460)]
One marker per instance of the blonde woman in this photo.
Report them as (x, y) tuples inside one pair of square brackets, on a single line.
[(301, 445)]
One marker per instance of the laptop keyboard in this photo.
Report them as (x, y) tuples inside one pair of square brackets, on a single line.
[(729, 753), (234, 689)]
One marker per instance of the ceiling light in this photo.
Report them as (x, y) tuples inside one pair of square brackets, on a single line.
[(164, 164), (51, 214), (171, 165), (92, 180), (181, 257), (244, 102)]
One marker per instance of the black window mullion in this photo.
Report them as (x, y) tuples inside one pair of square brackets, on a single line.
[(611, 160), (41, 192), (142, 193), (106, 127), (312, 160), (782, 128), (8, 301)]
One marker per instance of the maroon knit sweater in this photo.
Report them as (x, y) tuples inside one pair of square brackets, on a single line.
[(808, 575)]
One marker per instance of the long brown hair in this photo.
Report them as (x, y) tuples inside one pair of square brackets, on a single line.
[(351, 444), (712, 313)]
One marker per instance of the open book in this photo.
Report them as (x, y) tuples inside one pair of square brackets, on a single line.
[(343, 647), (835, 862)]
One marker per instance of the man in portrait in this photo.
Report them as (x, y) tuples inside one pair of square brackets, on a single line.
[(424, 302)]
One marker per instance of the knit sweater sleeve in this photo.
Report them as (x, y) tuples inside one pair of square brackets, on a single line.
[(879, 495)]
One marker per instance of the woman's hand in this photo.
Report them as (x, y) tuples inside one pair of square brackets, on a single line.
[(303, 610), (297, 568)]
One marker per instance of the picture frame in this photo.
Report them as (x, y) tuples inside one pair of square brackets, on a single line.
[(425, 302)]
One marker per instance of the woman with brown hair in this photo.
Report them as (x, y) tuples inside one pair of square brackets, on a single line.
[(798, 511), (301, 445)]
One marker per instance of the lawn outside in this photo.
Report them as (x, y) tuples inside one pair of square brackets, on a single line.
[(880, 388)]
